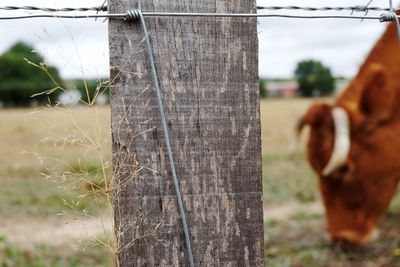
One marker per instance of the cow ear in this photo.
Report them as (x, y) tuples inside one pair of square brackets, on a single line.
[(315, 115), (377, 96)]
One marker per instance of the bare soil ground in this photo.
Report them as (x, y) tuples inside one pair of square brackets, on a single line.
[(287, 211), (29, 231)]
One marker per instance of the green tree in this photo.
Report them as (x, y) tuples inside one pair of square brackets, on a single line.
[(263, 88), (23, 74), (314, 78)]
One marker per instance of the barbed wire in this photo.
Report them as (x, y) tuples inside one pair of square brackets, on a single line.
[(118, 16), (127, 16), (389, 14), (102, 8), (349, 8)]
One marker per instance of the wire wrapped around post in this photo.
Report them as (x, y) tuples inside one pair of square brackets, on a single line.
[(394, 17), (137, 14)]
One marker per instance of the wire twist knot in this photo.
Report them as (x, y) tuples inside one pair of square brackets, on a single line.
[(132, 15), (388, 16), (102, 8), (361, 8)]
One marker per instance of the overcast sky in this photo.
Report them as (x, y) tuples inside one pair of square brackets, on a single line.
[(80, 47)]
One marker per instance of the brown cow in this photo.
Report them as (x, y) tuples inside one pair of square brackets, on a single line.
[(354, 145)]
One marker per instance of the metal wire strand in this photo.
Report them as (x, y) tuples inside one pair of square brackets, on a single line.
[(47, 9), (131, 16), (250, 15), (395, 18), (104, 8), (349, 8), (154, 75), (118, 16)]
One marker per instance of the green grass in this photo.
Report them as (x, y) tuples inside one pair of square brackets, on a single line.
[(271, 223), (306, 216), (39, 196), (304, 243), (287, 180), (394, 207), (45, 256)]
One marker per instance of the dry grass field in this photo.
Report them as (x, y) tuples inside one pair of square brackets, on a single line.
[(51, 163), (40, 147), (52, 160)]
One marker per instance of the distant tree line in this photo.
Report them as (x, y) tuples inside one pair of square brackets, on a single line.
[(26, 80), (19, 79), (313, 79), (262, 83)]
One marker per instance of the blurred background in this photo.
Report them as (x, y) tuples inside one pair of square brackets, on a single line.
[(55, 162)]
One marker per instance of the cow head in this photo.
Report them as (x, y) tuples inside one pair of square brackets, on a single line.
[(354, 147)]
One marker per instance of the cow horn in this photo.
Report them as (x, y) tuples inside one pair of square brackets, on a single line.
[(341, 146)]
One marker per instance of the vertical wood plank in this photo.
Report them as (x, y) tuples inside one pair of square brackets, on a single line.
[(208, 72)]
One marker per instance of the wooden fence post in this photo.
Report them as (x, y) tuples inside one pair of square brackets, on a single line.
[(208, 72)]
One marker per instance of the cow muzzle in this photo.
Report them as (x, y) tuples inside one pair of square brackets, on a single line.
[(341, 145), (355, 238)]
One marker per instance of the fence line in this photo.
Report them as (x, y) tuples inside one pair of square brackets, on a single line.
[(104, 8), (136, 14), (385, 17), (389, 14)]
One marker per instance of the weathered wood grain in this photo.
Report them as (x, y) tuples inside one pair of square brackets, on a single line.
[(208, 72)]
